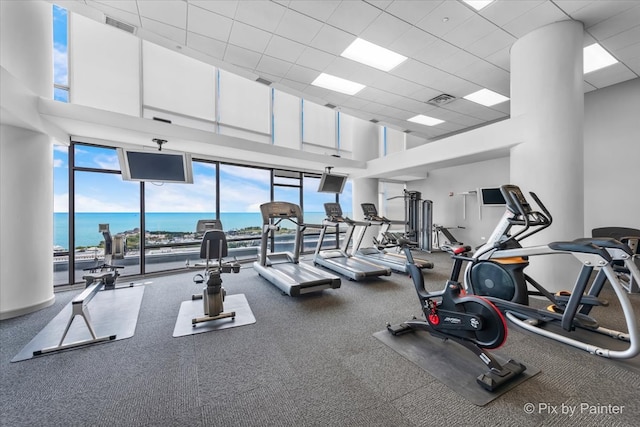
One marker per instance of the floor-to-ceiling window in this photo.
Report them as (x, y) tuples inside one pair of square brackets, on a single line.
[(60, 215)]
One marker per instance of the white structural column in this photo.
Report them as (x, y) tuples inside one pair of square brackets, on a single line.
[(26, 165), (547, 91)]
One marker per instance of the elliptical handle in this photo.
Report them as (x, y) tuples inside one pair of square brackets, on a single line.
[(542, 207)]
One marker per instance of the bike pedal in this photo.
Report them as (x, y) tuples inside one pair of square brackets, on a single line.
[(400, 329)]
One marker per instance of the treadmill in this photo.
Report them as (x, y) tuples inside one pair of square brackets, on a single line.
[(339, 260), (396, 261), (283, 269)]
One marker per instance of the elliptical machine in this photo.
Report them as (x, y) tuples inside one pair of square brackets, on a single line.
[(468, 320), (496, 271)]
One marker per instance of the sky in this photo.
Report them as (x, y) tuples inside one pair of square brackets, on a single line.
[(243, 189)]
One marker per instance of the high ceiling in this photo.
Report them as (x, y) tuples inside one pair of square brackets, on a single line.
[(451, 48)]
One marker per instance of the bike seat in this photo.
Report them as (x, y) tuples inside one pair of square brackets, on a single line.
[(456, 249)]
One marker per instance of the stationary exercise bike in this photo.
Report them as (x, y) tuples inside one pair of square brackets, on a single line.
[(468, 320), (214, 246), (496, 271)]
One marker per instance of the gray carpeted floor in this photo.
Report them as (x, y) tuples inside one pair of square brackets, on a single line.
[(307, 361)]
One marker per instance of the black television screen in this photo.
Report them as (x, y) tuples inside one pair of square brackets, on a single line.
[(491, 197), (155, 166), (332, 183)]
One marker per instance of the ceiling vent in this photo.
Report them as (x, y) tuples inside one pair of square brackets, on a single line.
[(374, 121), (330, 106), (119, 24), (441, 100), (263, 81)]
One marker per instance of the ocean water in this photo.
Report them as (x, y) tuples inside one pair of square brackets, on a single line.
[(87, 223)]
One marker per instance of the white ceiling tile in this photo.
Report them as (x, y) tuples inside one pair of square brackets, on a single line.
[(332, 40), (221, 7), (273, 66), (418, 72), (167, 31), (412, 11), (454, 85), (171, 12), (249, 37), (540, 16), (628, 53), (409, 104), (372, 94), (487, 75), (456, 61), (610, 75), (436, 52), (385, 29), (209, 24), (209, 46), (620, 23), (412, 41), (317, 9), (450, 115), (284, 49), (475, 113), (122, 11), (634, 64), (501, 58), (353, 16), (598, 11), (315, 59), (622, 40), (424, 94), (301, 74), (298, 27), (502, 11), (588, 87), (470, 31), (241, 57), (127, 6), (261, 14), (348, 69), (491, 43), (446, 17), (290, 86)]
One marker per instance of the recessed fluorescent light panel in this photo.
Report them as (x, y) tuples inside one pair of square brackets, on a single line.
[(330, 82), (425, 120), (486, 97), (595, 57), (478, 4), (372, 55)]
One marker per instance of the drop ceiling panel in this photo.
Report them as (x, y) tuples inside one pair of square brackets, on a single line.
[(332, 40), (412, 41), (222, 7), (317, 9), (445, 18), (501, 12), (456, 61), (285, 49), (470, 31), (122, 11), (491, 43), (263, 15), (629, 52), (241, 57), (501, 59), (353, 16), (167, 31), (315, 59), (412, 11), (127, 6), (206, 45), (610, 75), (385, 30), (274, 66), (436, 52), (544, 14), (171, 12), (249, 37), (598, 11), (623, 39), (298, 27), (418, 72), (616, 24), (209, 24), (301, 74)]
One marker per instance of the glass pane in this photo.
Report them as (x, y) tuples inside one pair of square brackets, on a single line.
[(60, 215), (60, 47), (61, 95), (88, 156), (172, 214), (104, 198), (242, 191), (314, 214)]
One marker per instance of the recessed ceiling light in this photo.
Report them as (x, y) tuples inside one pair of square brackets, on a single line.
[(486, 97), (337, 84), (478, 4), (595, 57), (425, 120), (372, 55)]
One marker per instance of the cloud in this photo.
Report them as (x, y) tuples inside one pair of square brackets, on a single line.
[(58, 163), (61, 202), (60, 64)]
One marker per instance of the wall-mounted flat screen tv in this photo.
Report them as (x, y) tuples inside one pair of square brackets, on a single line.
[(330, 183), (155, 166), (491, 197)]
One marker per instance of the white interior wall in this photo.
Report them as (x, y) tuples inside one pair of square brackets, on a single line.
[(286, 120), (462, 210), (243, 105), (104, 66), (395, 141), (611, 156)]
